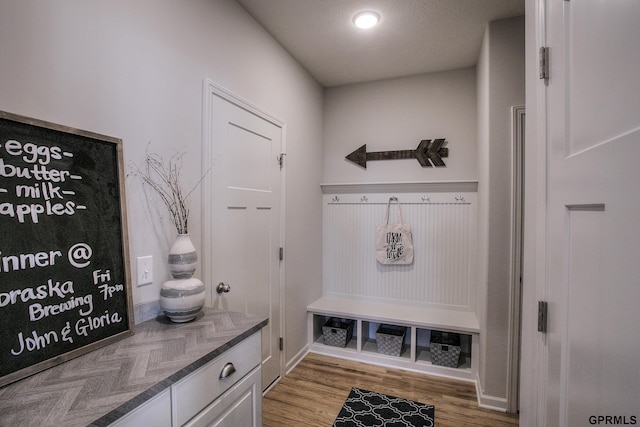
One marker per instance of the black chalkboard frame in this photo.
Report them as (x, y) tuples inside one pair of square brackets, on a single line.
[(126, 299)]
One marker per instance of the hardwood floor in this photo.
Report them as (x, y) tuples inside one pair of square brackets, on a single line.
[(313, 393)]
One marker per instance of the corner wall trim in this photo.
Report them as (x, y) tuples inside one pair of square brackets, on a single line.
[(401, 187), (489, 402)]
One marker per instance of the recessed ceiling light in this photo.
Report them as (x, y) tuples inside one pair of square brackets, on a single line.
[(366, 19)]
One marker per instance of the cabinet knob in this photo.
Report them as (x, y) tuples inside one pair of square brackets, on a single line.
[(227, 370)]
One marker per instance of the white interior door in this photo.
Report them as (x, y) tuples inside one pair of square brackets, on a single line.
[(593, 235), (244, 216)]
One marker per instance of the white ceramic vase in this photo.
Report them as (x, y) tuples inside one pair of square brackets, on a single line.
[(182, 299), (183, 257)]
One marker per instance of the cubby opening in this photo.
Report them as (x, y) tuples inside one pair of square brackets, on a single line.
[(423, 348), (370, 342), (321, 335)]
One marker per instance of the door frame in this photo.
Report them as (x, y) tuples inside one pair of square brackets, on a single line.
[(516, 261), (534, 356), (209, 91)]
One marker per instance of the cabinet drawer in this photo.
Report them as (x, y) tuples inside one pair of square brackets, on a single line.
[(155, 412), (241, 406), (201, 387)]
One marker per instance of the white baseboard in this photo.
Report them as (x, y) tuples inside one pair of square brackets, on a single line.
[(489, 402), (293, 362)]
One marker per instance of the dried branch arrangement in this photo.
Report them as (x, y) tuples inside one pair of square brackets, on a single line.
[(164, 177)]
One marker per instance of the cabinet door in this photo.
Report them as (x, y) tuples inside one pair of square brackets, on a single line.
[(241, 405), (156, 412)]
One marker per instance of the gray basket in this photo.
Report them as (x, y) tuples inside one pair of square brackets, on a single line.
[(445, 349), (390, 339), (337, 332), (445, 354)]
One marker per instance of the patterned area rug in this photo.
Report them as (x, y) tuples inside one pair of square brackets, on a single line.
[(367, 408)]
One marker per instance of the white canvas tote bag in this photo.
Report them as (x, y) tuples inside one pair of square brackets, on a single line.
[(394, 243)]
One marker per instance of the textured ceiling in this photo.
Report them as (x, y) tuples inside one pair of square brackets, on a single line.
[(413, 37)]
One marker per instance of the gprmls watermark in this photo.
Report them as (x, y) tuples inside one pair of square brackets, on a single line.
[(613, 420)]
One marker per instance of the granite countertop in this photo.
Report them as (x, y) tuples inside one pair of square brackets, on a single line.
[(99, 387)]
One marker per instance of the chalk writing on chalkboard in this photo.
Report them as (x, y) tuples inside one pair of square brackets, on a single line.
[(64, 268)]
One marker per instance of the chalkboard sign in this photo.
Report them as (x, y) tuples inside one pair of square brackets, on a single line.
[(64, 269)]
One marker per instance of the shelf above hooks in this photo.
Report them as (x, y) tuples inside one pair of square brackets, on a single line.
[(401, 187)]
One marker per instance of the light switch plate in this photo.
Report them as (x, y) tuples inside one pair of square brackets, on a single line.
[(145, 270)]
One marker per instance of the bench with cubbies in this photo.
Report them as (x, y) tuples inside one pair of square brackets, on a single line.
[(368, 316)]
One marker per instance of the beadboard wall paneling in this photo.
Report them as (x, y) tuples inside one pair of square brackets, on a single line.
[(444, 238)]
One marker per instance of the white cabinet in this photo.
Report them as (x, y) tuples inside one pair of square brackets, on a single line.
[(154, 412), (224, 392)]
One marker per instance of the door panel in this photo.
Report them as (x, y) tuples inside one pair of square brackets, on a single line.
[(593, 204), (601, 39), (253, 152), (244, 219), (584, 310)]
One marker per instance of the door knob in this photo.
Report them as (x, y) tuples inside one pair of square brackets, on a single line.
[(223, 287)]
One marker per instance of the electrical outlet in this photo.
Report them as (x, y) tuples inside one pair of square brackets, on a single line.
[(145, 270)]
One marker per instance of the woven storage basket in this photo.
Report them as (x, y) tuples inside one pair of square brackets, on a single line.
[(337, 332), (445, 349), (390, 339)]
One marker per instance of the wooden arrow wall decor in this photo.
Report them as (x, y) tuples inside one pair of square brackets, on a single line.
[(429, 153)]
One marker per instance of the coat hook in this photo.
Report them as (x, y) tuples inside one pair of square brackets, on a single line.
[(459, 198), (426, 199)]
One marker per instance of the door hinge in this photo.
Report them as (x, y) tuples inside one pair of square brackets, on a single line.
[(281, 159), (281, 254), (544, 63), (281, 343), (542, 316)]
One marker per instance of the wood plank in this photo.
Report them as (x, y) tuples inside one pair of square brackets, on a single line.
[(314, 391)]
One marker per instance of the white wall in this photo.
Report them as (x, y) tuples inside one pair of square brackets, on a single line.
[(483, 68), (134, 70), (396, 114), (442, 274), (500, 86)]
